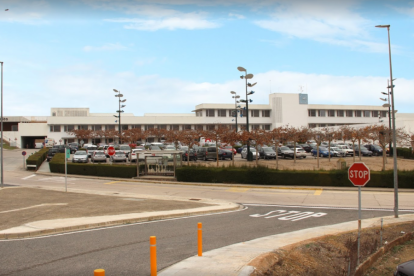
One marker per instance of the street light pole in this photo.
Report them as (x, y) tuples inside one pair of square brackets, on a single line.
[(2, 179), (235, 106), (119, 112), (394, 135)]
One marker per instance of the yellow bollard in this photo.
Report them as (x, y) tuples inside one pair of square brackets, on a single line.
[(99, 272), (200, 239), (153, 255)]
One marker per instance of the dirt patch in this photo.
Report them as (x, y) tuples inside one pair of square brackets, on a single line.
[(337, 254), (310, 163)]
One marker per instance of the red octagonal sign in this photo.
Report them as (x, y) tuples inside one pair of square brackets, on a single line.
[(111, 151), (359, 174)]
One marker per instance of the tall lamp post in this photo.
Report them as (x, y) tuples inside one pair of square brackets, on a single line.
[(235, 105), (2, 182), (394, 136), (388, 104), (119, 96), (247, 77)]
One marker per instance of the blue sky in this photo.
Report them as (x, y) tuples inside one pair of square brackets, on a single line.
[(168, 56)]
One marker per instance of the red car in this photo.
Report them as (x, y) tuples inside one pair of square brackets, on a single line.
[(230, 148)]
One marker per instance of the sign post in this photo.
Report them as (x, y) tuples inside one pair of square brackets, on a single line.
[(359, 175), (24, 163), (67, 155), (111, 152)]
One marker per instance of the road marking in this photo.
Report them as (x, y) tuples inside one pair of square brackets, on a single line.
[(290, 215), (318, 192), (27, 177), (113, 182), (328, 207), (34, 206), (237, 190)]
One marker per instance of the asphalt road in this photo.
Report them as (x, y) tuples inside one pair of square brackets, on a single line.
[(124, 250)]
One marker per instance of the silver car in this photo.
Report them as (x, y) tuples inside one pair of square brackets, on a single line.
[(252, 150), (285, 152), (98, 156), (80, 157), (119, 156), (300, 153), (340, 152)]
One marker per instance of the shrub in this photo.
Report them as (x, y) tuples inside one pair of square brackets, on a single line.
[(405, 152), (37, 158), (264, 176)]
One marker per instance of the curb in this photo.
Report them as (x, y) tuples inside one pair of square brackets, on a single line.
[(107, 224), (312, 188)]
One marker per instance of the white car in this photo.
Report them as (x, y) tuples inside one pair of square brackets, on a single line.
[(338, 151), (347, 149), (139, 151), (300, 153), (81, 156), (252, 150)]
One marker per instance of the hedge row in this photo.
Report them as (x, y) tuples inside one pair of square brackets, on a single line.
[(57, 165), (405, 152), (264, 176), (37, 158)]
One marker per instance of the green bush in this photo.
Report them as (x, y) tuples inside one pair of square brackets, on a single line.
[(37, 158), (264, 176), (405, 152), (57, 165)]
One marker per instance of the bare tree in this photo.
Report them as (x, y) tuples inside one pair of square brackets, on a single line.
[(259, 136), (276, 136), (231, 138), (190, 137), (217, 134), (330, 135), (81, 133), (296, 135), (319, 136)]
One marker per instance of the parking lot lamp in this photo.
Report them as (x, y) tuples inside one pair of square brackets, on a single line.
[(119, 96), (246, 77), (2, 183), (394, 136), (235, 105)]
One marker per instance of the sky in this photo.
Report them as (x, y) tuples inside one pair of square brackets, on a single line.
[(167, 56)]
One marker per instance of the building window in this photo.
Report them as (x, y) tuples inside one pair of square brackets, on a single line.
[(255, 113), (322, 113), (265, 113), (84, 127), (199, 127), (339, 113), (211, 127), (68, 128), (55, 128), (312, 125), (384, 114), (232, 112), (312, 113), (210, 113), (136, 126), (110, 127), (358, 113), (174, 127), (243, 113), (124, 127), (266, 127), (375, 113), (367, 113), (322, 125), (147, 127), (331, 113), (199, 113), (349, 113), (221, 113), (255, 127), (14, 128), (96, 127), (162, 126), (186, 127)]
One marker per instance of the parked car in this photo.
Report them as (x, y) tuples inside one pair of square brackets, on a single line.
[(285, 152), (51, 153), (73, 147), (267, 153), (375, 149), (306, 147), (252, 150), (405, 269), (98, 156), (90, 150), (225, 154), (338, 151), (206, 153), (300, 153), (239, 150), (323, 152), (119, 156), (138, 151), (363, 150), (230, 148), (60, 148), (126, 149), (346, 149), (81, 156), (189, 155)]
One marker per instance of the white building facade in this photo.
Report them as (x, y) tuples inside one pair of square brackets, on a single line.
[(283, 109)]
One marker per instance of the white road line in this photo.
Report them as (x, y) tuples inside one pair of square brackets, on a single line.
[(27, 177), (329, 207), (34, 206)]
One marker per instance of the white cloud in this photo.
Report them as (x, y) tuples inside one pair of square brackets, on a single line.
[(80, 86), (238, 16), (105, 47), (332, 22), (188, 22)]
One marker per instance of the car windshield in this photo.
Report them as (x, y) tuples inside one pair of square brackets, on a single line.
[(322, 148), (99, 153), (80, 152), (376, 147), (155, 148), (169, 148), (300, 150), (268, 150), (284, 148), (124, 148)]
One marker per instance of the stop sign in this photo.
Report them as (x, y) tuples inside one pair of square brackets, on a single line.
[(359, 174), (111, 151)]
